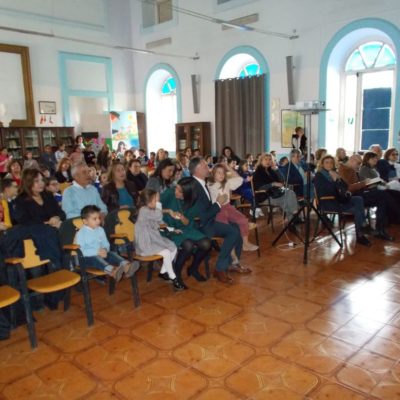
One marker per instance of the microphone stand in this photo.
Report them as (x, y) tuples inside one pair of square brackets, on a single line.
[(308, 205)]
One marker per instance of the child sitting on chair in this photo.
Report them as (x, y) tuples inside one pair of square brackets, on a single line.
[(53, 187), (96, 249), (221, 184)]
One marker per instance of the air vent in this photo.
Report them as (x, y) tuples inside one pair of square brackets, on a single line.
[(248, 19), (158, 43)]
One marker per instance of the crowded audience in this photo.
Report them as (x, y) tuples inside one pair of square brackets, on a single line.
[(191, 196)]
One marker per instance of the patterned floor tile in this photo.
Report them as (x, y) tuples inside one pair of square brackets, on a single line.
[(168, 332), (77, 335), (60, 381), (268, 378), (213, 354), (336, 392), (115, 357), (210, 311), (244, 295), (256, 329), (162, 379), (18, 359), (289, 309)]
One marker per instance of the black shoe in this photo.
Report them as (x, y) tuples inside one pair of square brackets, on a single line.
[(164, 276), (178, 285), (363, 241), (384, 236)]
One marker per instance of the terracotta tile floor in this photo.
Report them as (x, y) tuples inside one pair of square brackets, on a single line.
[(330, 330)]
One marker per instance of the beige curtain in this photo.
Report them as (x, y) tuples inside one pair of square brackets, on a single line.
[(240, 114)]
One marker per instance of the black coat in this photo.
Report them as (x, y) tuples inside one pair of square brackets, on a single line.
[(29, 212), (139, 180), (62, 179), (326, 188)]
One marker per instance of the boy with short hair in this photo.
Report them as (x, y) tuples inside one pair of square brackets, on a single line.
[(96, 249)]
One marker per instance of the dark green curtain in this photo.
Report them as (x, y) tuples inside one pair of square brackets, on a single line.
[(240, 114)]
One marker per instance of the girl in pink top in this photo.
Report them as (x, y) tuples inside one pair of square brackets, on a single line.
[(223, 181)]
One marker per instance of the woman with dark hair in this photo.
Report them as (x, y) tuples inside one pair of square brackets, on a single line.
[(367, 171), (63, 173), (14, 170), (79, 141), (104, 157), (136, 175), (388, 167), (179, 214), (119, 192), (229, 154), (299, 140), (121, 148), (161, 180), (34, 205)]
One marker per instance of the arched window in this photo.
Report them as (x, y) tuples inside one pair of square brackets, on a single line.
[(161, 110), (240, 65), (368, 96), (250, 70)]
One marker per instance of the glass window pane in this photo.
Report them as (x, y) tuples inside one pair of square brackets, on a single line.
[(386, 57), (169, 86), (369, 52), (355, 62), (350, 112)]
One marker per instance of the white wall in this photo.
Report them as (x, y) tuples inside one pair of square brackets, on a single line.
[(316, 22), (103, 21)]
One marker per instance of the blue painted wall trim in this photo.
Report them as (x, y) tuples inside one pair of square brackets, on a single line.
[(265, 68), (66, 92), (174, 74), (380, 24)]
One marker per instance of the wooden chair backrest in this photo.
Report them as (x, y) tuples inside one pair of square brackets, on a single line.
[(125, 225), (31, 259)]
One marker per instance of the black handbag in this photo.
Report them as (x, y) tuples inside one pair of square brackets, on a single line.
[(276, 192)]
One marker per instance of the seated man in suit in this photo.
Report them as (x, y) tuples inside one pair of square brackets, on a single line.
[(294, 172), (207, 211)]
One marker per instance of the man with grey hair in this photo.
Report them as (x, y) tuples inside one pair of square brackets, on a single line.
[(207, 211), (81, 193)]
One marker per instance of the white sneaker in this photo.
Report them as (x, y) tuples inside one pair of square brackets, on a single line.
[(259, 212)]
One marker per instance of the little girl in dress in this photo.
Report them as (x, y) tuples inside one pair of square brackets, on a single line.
[(222, 184), (148, 239)]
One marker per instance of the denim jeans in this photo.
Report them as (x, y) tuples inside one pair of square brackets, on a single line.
[(355, 206), (112, 259)]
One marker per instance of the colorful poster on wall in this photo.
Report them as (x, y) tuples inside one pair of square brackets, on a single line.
[(290, 120), (124, 131)]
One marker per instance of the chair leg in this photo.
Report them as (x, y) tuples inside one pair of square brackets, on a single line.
[(271, 217), (135, 291), (150, 271), (111, 286), (67, 299), (88, 301), (207, 264)]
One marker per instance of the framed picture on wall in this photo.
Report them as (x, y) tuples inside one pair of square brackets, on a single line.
[(290, 119), (47, 107)]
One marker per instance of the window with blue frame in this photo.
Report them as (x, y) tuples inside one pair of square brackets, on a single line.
[(250, 70), (372, 66), (169, 86), (371, 55)]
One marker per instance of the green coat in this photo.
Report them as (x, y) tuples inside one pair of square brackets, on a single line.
[(190, 231)]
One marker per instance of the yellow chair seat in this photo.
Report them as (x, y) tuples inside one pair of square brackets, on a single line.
[(53, 282), (8, 295), (94, 271), (155, 257)]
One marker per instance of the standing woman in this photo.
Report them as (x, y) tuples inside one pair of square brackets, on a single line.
[(267, 178), (180, 213), (104, 157), (14, 171), (34, 205), (119, 192), (63, 173), (230, 154), (161, 180)]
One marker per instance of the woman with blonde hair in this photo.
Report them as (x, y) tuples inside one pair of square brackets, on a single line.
[(269, 179)]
